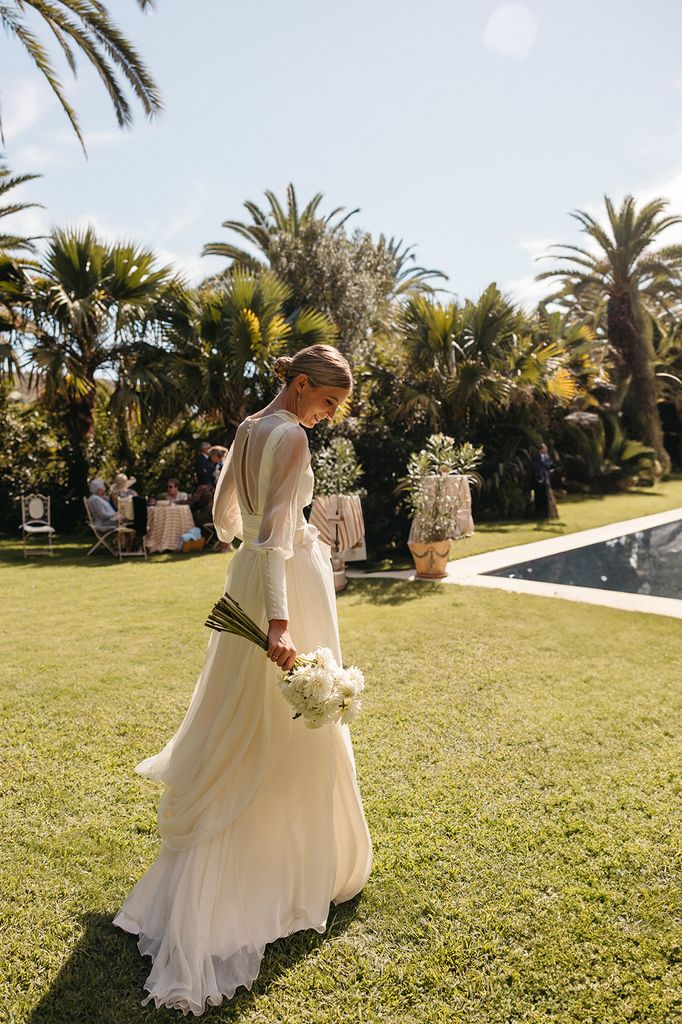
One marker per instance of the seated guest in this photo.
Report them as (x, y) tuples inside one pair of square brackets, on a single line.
[(173, 492), (217, 456), (201, 504), (122, 487), (203, 467), (101, 511)]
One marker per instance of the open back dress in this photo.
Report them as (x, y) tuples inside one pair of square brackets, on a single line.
[(261, 819)]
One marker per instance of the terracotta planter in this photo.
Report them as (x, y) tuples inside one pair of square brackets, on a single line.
[(430, 558)]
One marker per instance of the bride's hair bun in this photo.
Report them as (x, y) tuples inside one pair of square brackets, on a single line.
[(323, 365), (282, 368)]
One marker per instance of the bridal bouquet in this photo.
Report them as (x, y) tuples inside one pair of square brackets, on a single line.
[(319, 690)]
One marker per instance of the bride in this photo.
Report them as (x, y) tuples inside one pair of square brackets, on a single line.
[(261, 818)]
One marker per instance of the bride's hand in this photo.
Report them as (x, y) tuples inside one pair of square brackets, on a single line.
[(280, 648)]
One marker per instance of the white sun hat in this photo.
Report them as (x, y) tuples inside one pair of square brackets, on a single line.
[(122, 482)]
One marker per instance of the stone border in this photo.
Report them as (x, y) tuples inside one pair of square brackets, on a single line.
[(468, 571)]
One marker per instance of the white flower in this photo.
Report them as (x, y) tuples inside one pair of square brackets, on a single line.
[(351, 710), (316, 684), (314, 721), (325, 659), (292, 694), (320, 691), (354, 680)]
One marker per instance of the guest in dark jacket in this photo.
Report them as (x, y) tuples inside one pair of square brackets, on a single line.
[(545, 502), (203, 467)]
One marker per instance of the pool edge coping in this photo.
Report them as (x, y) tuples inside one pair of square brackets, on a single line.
[(469, 571)]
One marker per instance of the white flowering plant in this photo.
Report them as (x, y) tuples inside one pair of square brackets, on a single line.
[(318, 689), (432, 502), (336, 468)]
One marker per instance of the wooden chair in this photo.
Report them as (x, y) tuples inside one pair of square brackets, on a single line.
[(36, 521), (110, 537)]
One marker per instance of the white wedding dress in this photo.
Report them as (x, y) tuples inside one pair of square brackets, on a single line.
[(261, 818)]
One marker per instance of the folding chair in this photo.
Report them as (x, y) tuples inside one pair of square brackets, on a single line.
[(110, 537), (36, 521)]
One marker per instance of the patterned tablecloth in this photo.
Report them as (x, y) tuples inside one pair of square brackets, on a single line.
[(165, 526)]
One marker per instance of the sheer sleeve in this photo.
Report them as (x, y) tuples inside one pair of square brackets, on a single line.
[(227, 518), (290, 457)]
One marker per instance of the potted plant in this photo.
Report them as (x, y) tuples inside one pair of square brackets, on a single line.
[(336, 511), (433, 497)]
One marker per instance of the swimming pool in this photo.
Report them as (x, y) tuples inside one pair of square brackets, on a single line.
[(647, 562)]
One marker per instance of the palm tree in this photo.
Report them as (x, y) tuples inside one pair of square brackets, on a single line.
[(15, 286), (429, 330), (94, 315), (223, 339), (11, 243), (467, 363), (408, 277), (355, 280), (485, 373), (626, 266), (85, 26), (14, 278), (267, 225)]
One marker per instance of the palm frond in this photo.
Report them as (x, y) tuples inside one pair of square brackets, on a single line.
[(85, 26)]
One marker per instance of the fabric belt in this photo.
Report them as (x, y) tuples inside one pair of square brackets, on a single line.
[(304, 534)]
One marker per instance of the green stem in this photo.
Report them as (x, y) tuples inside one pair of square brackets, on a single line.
[(228, 616)]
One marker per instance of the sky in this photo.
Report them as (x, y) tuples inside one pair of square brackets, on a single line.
[(468, 128)]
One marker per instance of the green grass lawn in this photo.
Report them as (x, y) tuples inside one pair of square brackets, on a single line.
[(519, 760)]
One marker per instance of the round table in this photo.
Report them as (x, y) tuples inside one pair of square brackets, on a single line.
[(166, 523)]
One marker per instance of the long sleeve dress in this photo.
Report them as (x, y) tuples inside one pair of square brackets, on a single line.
[(261, 819)]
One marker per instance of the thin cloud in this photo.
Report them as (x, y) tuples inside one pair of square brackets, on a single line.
[(526, 291), (511, 30), (189, 265), (536, 246), (22, 109), (194, 206), (31, 223), (36, 158), (105, 137)]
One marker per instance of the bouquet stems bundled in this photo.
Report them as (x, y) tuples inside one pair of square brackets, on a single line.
[(228, 616), (319, 690)]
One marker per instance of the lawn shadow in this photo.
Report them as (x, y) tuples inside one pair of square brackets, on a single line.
[(74, 552), (102, 980), (512, 525), (576, 497), (387, 591)]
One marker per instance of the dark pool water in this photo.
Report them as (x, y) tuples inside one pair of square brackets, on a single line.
[(646, 562)]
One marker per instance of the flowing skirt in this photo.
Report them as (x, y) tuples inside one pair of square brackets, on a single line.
[(261, 818)]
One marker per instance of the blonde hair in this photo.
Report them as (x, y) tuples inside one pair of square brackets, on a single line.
[(323, 365)]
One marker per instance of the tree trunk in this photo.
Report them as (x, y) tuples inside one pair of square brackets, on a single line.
[(77, 420), (125, 456), (628, 335)]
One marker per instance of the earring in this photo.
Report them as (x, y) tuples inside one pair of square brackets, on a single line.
[(298, 397)]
